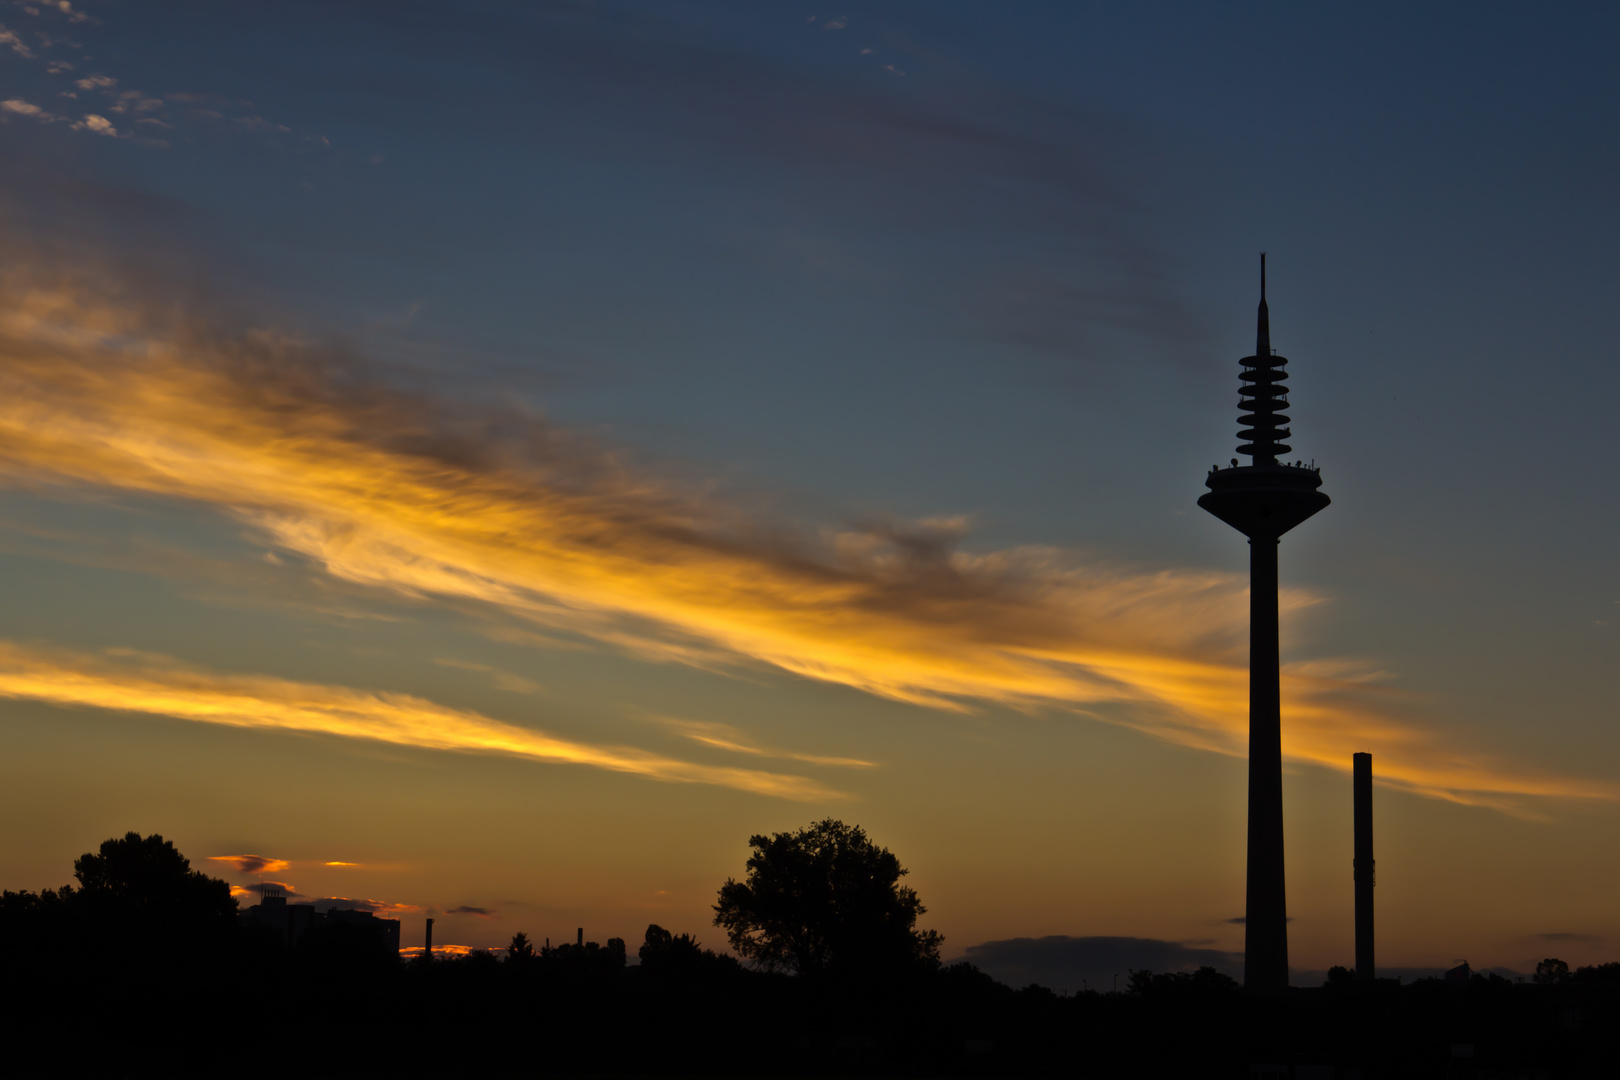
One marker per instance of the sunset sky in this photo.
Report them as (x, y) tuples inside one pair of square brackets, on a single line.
[(488, 460)]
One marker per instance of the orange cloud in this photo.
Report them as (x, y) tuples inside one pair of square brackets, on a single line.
[(404, 493), (252, 864), (411, 952), (383, 909), (380, 489), (259, 888), (147, 684)]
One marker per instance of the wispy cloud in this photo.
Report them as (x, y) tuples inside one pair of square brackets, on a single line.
[(98, 124), (20, 107), (141, 683), (504, 680), (407, 493), (10, 40), (145, 109), (726, 737), (1034, 213), (252, 864), (63, 7), (384, 909)]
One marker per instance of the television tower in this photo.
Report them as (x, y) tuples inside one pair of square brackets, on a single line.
[(1263, 500)]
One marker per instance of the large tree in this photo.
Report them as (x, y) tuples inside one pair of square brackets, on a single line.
[(140, 898), (825, 899), (148, 875)]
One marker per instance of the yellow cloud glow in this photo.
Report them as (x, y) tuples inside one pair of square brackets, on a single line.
[(404, 493), (151, 685)]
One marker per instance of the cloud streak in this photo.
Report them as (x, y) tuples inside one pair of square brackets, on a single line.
[(407, 493), (158, 686), (725, 737), (252, 864), (1050, 235)]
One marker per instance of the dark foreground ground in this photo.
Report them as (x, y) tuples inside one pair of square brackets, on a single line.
[(342, 1008)]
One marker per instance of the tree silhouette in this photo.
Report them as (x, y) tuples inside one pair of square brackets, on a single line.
[(661, 947), (143, 894), (521, 949), (1598, 973), (147, 874), (1552, 970), (682, 958), (825, 899), (1205, 981)]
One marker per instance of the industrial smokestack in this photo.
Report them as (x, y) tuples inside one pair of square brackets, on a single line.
[(580, 940), (1364, 866), (427, 952)]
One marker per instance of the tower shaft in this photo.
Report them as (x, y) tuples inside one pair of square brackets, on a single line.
[(1265, 922)]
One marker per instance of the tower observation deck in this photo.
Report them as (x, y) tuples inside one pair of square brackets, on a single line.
[(1263, 500)]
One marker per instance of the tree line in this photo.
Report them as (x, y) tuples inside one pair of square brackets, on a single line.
[(144, 965)]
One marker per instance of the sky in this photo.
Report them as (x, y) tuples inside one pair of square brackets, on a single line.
[(487, 461)]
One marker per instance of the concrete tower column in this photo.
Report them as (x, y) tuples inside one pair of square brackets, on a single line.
[(1263, 500), (1265, 922)]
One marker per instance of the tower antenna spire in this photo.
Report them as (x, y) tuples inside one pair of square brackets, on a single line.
[(1262, 337)]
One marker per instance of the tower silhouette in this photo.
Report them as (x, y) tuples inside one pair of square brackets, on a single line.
[(1363, 865), (1263, 500)]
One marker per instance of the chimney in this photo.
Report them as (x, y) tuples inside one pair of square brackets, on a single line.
[(427, 952), (580, 940), (1364, 866)]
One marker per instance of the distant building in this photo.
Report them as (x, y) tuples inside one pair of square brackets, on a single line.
[(387, 929), (291, 922)]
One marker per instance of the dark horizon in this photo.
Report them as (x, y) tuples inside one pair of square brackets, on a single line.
[(842, 979)]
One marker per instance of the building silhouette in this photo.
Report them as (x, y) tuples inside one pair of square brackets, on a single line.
[(293, 922), (1263, 500)]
